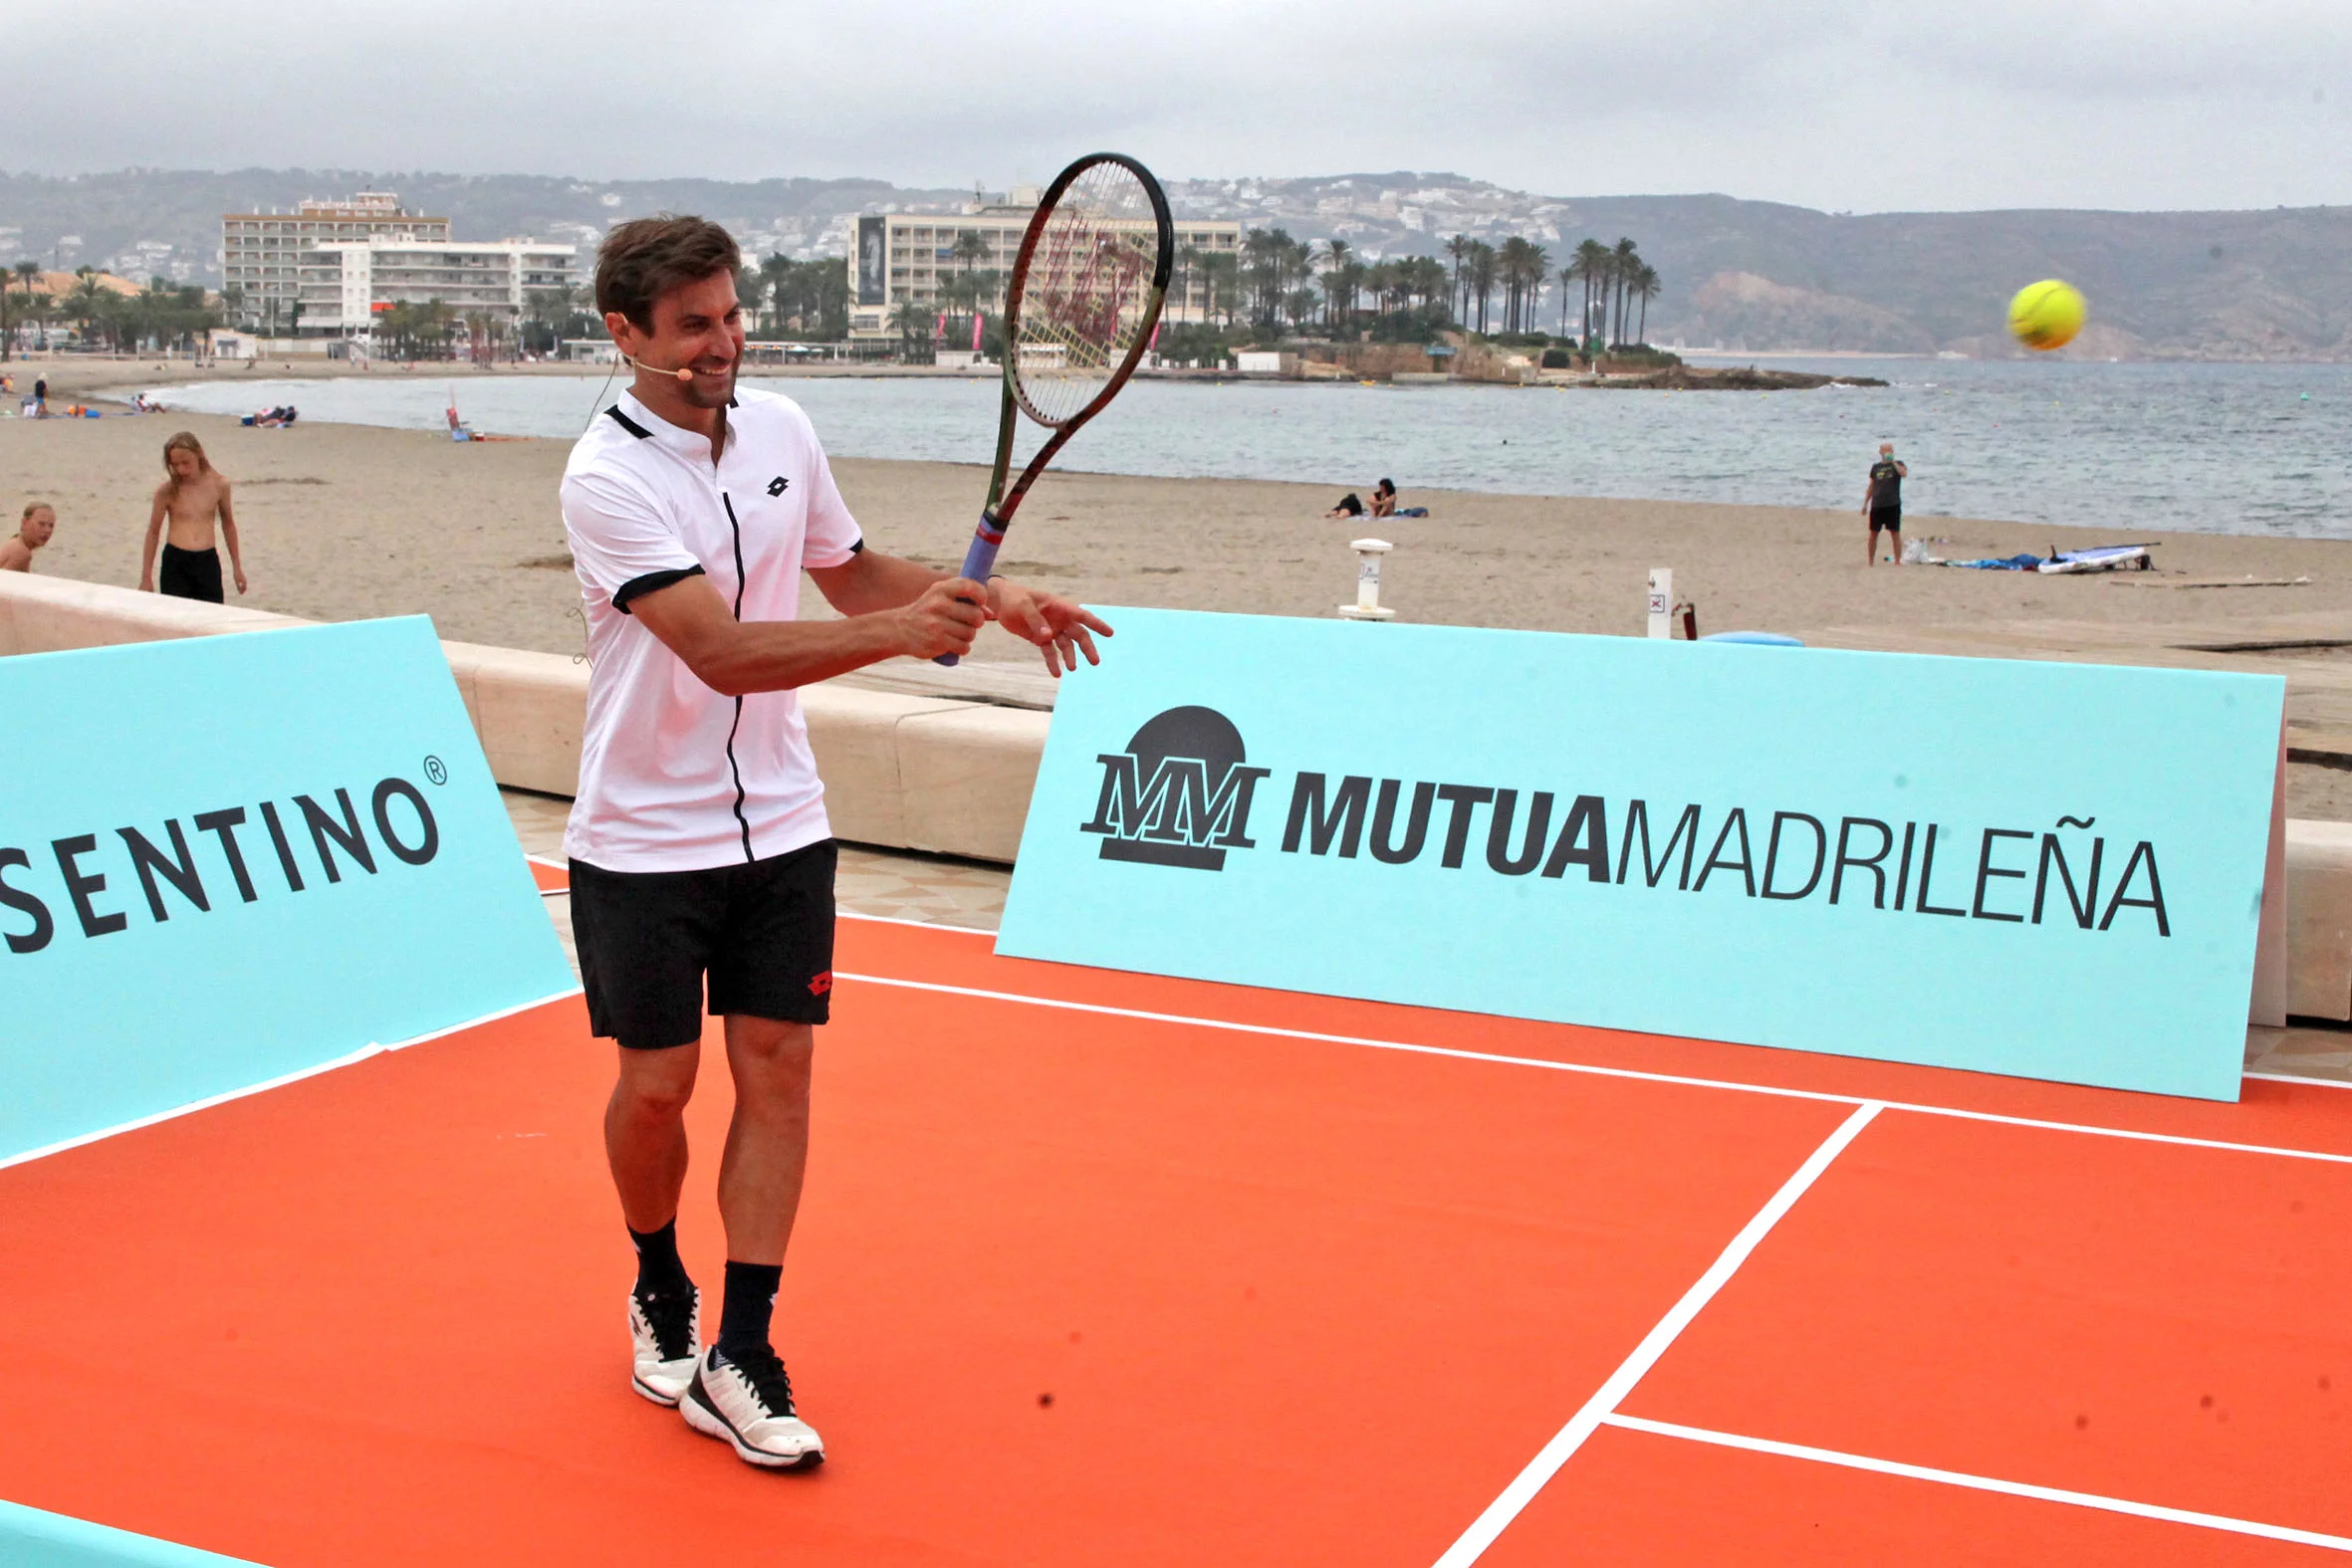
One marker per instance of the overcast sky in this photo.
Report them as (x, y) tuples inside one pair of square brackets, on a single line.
[(1842, 104)]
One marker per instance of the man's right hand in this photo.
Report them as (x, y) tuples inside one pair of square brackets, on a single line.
[(944, 619)]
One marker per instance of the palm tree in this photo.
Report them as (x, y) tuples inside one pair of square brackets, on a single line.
[(1624, 259), (1567, 274), (913, 319), (1479, 271), (1338, 299), (1591, 266), (971, 249), (1459, 248), (1224, 271), (1188, 263), (1645, 288), (1536, 262)]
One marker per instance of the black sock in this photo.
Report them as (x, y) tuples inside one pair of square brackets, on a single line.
[(659, 1270), (750, 1298)]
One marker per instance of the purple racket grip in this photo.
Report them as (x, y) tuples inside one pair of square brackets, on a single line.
[(986, 540)]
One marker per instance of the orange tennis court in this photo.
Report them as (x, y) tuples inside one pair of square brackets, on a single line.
[(1103, 1269)]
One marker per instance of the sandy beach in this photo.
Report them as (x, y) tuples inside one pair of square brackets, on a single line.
[(341, 522)]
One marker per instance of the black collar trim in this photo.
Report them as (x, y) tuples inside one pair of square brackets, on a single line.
[(626, 423)]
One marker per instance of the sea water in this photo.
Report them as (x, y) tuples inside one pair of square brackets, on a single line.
[(2129, 449)]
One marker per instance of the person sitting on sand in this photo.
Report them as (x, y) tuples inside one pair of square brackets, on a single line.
[(1351, 506), (1882, 501), (1384, 499), (191, 498), (32, 532)]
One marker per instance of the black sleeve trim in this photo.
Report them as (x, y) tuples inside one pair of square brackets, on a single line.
[(626, 423), (858, 545), (636, 586)]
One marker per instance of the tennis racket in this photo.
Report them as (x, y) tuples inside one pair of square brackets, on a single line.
[(1080, 310)]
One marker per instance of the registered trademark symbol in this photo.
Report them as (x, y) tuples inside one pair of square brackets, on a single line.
[(437, 770)]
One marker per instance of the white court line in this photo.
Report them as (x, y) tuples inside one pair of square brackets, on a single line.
[(919, 925), (472, 1024), (1590, 1070), (372, 1048), (1606, 1399), (2080, 1500), (59, 1147), (2297, 1077)]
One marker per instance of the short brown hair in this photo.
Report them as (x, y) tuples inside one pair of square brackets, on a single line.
[(645, 258), (32, 506)]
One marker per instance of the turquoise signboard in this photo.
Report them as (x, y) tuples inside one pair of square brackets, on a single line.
[(224, 860), (2051, 870)]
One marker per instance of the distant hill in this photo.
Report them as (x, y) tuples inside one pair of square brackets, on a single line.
[(1744, 275)]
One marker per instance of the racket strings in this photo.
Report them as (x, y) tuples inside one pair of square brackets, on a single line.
[(1087, 292)]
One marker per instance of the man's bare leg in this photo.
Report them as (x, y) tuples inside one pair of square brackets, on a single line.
[(645, 1145), (768, 1142), (645, 1132)]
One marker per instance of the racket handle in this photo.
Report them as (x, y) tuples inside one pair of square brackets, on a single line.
[(978, 560)]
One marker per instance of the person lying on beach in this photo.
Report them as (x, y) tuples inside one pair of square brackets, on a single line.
[(1351, 506), (32, 532), (194, 494)]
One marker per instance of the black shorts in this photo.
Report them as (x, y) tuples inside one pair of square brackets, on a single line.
[(1888, 518), (761, 931), (190, 573)]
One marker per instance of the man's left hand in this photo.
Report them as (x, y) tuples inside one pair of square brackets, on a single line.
[(1061, 629)]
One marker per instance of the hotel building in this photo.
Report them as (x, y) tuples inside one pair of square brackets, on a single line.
[(908, 255), (341, 262)]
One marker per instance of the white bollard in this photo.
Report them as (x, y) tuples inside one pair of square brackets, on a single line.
[(1367, 582), (1661, 601)]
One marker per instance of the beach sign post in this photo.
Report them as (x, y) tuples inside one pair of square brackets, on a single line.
[(1367, 582), (1661, 601)]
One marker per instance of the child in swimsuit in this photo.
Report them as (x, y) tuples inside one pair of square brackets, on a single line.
[(194, 494)]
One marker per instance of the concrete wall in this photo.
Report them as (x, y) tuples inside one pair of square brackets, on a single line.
[(904, 772), (927, 773)]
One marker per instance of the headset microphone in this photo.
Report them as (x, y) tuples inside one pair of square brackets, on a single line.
[(683, 373)]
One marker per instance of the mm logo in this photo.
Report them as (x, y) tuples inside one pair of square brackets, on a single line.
[(1179, 794)]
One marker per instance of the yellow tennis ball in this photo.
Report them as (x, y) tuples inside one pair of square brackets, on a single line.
[(2046, 315)]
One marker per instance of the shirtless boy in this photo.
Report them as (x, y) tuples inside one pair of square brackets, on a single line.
[(191, 498), (32, 532)]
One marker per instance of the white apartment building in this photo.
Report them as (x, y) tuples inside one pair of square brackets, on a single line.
[(261, 251), (908, 255), (345, 284), (327, 268)]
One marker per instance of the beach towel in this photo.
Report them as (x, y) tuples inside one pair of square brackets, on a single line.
[(2100, 558), (2001, 563)]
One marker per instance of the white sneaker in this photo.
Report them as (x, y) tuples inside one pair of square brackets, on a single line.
[(665, 1334), (751, 1406)]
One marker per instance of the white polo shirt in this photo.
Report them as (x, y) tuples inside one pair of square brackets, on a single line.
[(674, 777)]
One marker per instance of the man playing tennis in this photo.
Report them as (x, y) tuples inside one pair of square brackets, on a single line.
[(698, 842)]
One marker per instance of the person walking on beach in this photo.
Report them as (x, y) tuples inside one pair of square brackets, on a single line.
[(33, 530), (190, 499), (41, 397), (1882, 502), (699, 846)]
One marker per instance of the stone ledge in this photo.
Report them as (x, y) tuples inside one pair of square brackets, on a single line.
[(901, 771)]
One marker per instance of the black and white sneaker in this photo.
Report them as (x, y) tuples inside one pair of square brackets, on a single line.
[(665, 1333), (749, 1404)]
